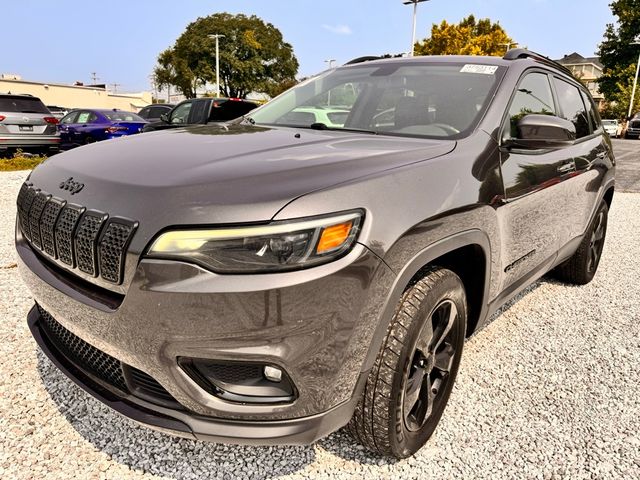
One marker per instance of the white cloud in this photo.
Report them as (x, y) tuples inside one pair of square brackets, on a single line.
[(338, 29)]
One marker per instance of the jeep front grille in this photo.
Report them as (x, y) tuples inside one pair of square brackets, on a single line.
[(91, 241)]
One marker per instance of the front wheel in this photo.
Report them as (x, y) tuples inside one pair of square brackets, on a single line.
[(410, 383)]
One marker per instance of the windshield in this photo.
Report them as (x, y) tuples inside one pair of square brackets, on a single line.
[(123, 117), (434, 100)]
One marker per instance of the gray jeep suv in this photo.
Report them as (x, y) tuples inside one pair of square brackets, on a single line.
[(271, 280)]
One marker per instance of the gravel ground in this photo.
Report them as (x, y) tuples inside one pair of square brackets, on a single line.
[(550, 389)]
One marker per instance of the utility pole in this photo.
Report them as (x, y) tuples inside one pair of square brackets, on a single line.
[(330, 62), (94, 78), (415, 15), (217, 36), (115, 87), (635, 81)]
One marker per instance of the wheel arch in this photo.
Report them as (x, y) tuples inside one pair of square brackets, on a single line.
[(468, 254)]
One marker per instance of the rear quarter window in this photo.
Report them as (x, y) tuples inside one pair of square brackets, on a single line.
[(572, 106)]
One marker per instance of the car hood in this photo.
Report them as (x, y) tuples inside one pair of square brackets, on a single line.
[(215, 174)]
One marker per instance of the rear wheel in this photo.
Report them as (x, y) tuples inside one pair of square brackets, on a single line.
[(89, 140), (582, 266), (410, 383)]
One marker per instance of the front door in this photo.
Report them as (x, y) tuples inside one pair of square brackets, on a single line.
[(533, 219)]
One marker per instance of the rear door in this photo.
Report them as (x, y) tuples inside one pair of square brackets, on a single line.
[(591, 149), (533, 217)]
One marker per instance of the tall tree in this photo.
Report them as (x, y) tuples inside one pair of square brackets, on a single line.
[(469, 37), (619, 56), (253, 57)]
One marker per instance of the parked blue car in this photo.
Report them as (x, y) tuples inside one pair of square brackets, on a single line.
[(84, 126)]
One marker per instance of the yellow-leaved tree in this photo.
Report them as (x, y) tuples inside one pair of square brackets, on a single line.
[(469, 37)]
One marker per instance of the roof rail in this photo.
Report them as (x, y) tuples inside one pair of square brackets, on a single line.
[(518, 53), (370, 58)]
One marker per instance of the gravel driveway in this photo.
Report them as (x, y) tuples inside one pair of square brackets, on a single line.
[(550, 389)]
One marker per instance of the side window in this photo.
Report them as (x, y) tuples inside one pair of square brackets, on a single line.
[(198, 109), (69, 118), (145, 112), (572, 106), (83, 117), (592, 111), (92, 118), (181, 113), (533, 96), (155, 112)]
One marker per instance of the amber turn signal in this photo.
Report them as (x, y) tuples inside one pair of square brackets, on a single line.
[(333, 237)]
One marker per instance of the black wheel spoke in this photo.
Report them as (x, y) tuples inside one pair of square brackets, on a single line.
[(432, 362), (444, 359)]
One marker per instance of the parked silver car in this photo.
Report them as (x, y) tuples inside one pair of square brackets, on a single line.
[(25, 123)]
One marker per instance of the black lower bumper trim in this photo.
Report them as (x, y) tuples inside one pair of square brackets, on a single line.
[(298, 431)]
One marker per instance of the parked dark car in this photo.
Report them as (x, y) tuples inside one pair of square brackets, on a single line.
[(269, 281), (200, 111), (152, 113), (26, 124), (633, 129), (84, 126)]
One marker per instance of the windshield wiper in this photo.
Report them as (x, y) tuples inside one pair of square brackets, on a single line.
[(324, 126)]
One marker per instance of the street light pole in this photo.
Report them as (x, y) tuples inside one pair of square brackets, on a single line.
[(415, 15), (330, 62), (217, 36), (635, 81)]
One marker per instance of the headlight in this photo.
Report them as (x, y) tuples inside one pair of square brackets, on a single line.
[(278, 246)]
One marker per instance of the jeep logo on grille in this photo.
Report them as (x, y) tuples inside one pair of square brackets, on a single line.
[(71, 186)]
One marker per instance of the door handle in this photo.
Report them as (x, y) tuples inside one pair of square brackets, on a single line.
[(567, 167)]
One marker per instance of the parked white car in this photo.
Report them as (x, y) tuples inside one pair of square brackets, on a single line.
[(612, 127)]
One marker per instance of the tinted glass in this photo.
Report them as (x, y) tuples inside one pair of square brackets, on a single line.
[(592, 111), (533, 96), (145, 113), (69, 118), (181, 113), (155, 112), (22, 105), (229, 110), (123, 117), (573, 108), (394, 98), (198, 111)]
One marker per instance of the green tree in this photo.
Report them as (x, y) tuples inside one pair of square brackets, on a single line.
[(619, 57), (469, 37), (253, 57)]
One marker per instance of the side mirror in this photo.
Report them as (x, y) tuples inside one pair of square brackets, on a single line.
[(543, 132), (165, 117)]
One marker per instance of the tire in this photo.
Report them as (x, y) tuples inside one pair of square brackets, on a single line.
[(88, 140), (581, 267), (389, 416)]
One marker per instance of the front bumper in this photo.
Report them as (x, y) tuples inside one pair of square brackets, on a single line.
[(299, 431), (317, 325)]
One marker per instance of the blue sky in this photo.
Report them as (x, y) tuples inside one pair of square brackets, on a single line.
[(63, 41)]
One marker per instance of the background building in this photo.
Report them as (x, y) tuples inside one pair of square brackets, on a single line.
[(75, 96)]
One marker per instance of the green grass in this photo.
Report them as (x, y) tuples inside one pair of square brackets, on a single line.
[(20, 162)]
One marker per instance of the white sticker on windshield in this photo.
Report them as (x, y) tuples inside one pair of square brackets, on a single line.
[(483, 69)]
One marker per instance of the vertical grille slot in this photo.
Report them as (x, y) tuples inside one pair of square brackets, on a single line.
[(86, 238), (47, 224), (28, 194), (113, 247), (39, 202), (64, 231)]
